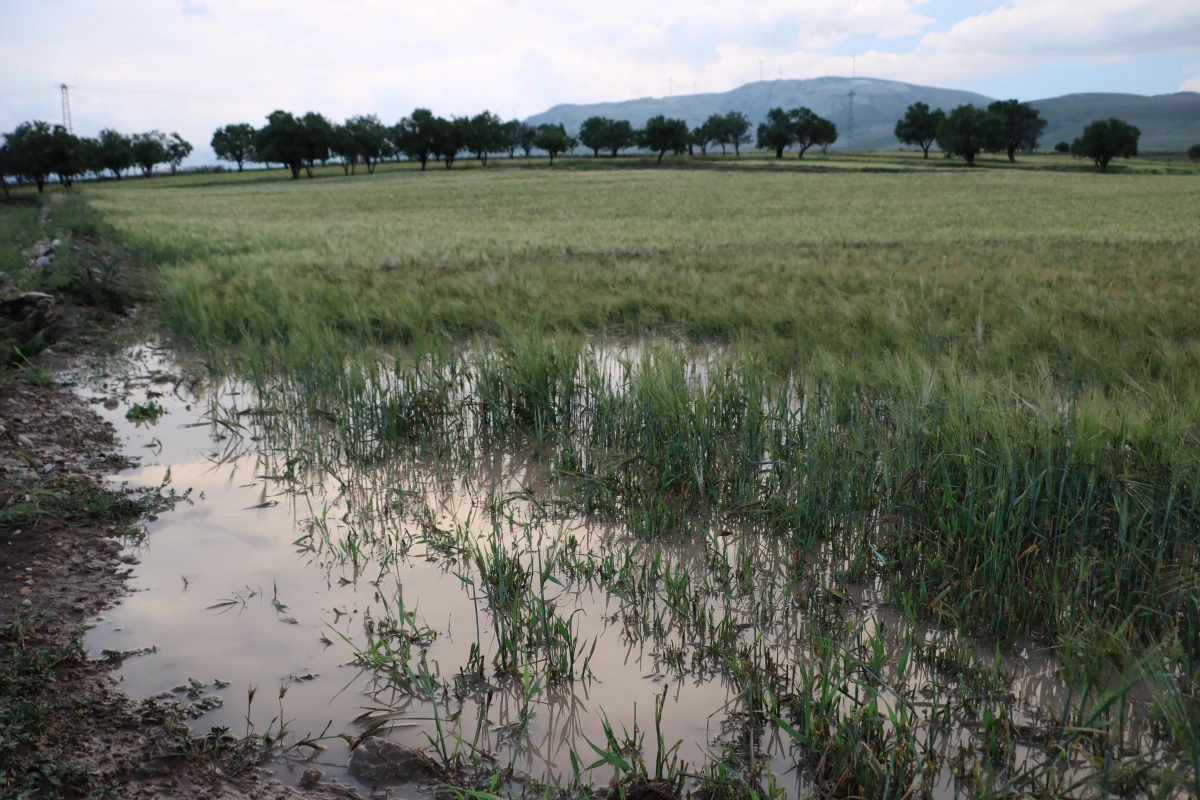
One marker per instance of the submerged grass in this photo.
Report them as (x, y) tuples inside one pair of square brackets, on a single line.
[(978, 390)]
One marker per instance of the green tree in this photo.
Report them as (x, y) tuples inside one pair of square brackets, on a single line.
[(554, 140), (448, 139), (1062, 147), (149, 150), (777, 133), (528, 134), (596, 134), (8, 166), (1194, 152), (810, 129), (317, 135), (919, 126), (114, 152), (511, 134), (344, 147), (825, 134), (967, 130), (662, 135), (66, 156), (31, 145), (369, 138), (736, 131), (718, 128), (483, 134), (1023, 126), (282, 140), (1106, 139), (178, 149), (706, 133), (234, 143), (621, 136), (416, 135)]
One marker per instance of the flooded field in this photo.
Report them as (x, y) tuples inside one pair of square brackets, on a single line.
[(522, 611)]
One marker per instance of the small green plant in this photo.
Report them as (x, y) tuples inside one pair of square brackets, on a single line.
[(149, 411)]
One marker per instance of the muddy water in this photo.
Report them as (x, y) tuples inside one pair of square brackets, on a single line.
[(253, 580)]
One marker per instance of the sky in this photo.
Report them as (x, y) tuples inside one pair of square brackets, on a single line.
[(193, 65)]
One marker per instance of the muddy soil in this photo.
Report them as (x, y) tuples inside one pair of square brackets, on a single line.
[(59, 572)]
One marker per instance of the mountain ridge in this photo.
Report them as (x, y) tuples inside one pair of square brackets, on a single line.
[(1168, 121)]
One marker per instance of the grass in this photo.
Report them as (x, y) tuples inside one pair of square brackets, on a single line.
[(973, 389)]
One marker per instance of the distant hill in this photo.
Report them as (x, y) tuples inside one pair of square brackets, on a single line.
[(1168, 122)]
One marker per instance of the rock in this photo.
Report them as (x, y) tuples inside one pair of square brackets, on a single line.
[(41, 262), (378, 759), (310, 778), (24, 440), (26, 591), (27, 603)]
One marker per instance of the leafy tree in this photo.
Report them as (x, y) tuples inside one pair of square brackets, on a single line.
[(528, 134), (178, 149), (1062, 147), (114, 152), (661, 135), (777, 133), (825, 134), (703, 135), (66, 155), (342, 145), (554, 140), (8, 166), (1194, 152), (968, 129), (149, 150), (716, 126), (596, 134), (317, 134), (919, 126), (512, 136), (31, 145), (811, 130), (736, 131), (621, 136), (369, 138), (1106, 139), (448, 139), (234, 143), (283, 140), (416, 136), (483, 134), (1023, 125)]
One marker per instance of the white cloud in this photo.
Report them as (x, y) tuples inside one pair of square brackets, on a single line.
[(193, 64)]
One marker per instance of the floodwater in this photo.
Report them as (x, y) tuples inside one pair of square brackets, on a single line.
[(257, 579)]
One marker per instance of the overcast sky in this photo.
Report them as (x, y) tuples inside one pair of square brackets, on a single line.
[(191, 65)]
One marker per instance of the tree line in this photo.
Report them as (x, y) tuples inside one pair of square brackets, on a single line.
[(1008, 126), (35, 151)]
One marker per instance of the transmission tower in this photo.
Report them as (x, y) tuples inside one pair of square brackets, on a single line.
[(850, 120), (66, 104)]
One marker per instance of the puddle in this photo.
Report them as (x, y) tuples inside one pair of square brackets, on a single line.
[(494, 615)]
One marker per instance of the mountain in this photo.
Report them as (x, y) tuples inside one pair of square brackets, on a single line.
[(1168, 122)]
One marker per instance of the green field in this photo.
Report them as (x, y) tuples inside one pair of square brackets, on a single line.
[(976, 389)]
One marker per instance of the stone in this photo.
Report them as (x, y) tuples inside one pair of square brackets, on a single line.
[(26, 591), (378, 759), (27, 603), (24, 440), (310, 778)]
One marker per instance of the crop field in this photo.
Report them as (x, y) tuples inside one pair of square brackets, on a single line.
[(869, 478)]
